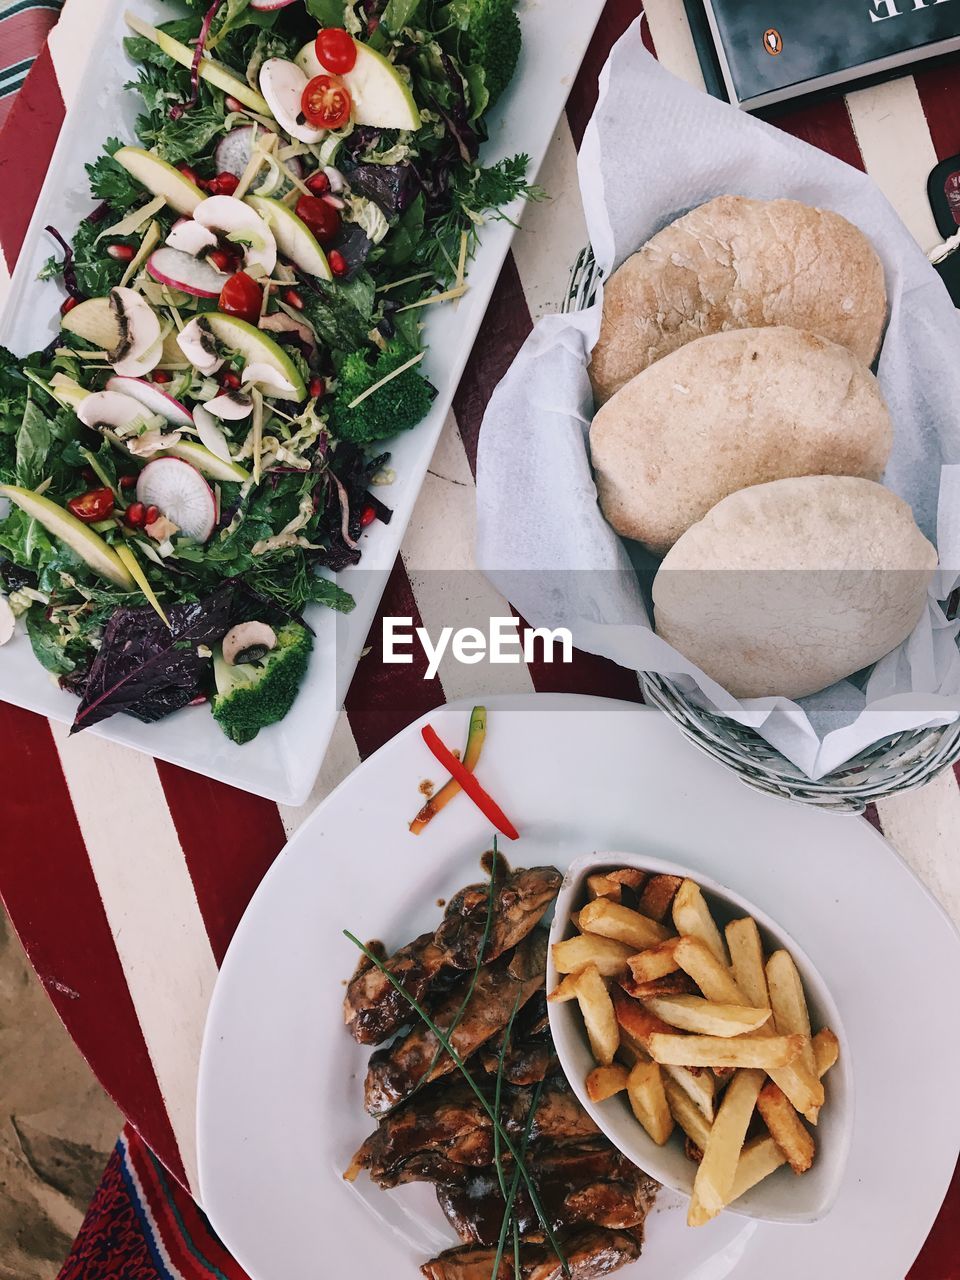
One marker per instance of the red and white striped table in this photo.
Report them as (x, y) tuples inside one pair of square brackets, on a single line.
[(125, 877)]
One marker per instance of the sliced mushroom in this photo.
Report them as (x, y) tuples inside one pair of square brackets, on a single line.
[(190, 237), (232, 406), (138, 325), (198, 344), (248, 642)]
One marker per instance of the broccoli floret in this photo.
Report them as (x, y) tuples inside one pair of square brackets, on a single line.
[(252, 695), (493, 40), (397, 406)]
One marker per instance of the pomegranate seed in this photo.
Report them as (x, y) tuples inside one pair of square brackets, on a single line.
[(151, 514), (127, 482), (221, 260), (68, 304), (367, 516), (90, 475), (372, 26), (317, 388), (122, 252), (293, 299), (338, 263), (189, 174), (136, 515), (233, 104), (198, 701), (318, 183), (224, 184), (161, 376), (230, 380)]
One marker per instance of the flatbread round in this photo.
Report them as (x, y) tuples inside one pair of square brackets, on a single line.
[(787, 587), (728, 411), (735, 263)]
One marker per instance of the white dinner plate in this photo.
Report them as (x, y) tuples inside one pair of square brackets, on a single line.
[(284, 761), (280, 1102)]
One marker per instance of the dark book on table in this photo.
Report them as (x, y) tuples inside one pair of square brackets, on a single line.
[(758, 53)]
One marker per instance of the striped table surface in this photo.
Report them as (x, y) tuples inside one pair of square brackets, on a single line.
[(126, 877)]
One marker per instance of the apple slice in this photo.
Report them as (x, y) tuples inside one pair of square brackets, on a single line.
[(294, 238), (160, 178), (153, 400), (381, 97), (96, 322), (207, 462), (178, 490), (257, 349), (190, 275), (131, 562), (65, 526), (214, 73)]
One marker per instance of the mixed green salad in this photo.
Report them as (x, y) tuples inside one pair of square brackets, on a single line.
[(201, 447)]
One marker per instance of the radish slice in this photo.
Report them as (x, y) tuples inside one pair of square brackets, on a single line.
[(190, 275), (211, 435), (153, 399), (179, 492)]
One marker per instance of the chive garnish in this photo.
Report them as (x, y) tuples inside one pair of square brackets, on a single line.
[(461, 1067), (501, 1063), (512, 1195)]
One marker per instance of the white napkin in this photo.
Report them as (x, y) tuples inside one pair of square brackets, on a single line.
[(654, 149)]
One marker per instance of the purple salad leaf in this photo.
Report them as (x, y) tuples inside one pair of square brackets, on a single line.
[(145, 669)]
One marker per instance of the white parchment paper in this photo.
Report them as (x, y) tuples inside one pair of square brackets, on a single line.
[(654, 149)]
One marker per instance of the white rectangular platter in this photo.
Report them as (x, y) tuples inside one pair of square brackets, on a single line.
[(283, 762)]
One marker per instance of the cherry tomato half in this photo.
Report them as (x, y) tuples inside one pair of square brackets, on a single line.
[(322, 218), (94, 505), (326, 103), (336, 50), (241, 296)]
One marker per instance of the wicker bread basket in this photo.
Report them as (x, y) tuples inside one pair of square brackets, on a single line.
[(897, 764)]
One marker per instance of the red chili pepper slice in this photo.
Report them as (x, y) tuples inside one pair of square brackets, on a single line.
[(468, 784)]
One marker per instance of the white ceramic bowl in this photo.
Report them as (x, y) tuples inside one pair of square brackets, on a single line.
[(782, 1197)]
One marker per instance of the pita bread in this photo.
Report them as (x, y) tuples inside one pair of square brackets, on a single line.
[(785, 588), (735, 263), (728, 411)]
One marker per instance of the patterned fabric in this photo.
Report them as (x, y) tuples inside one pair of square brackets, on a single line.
[(142, 1225), (128, 903), (24, 25)]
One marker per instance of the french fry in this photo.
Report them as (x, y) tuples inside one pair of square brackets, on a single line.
[(604, 887), (598, 1015), (717, 1171), (786, 1128), (713, 978), (649, 1101), (714, 1051), (658, 895), (656, 962), (631, 1050), (826, 1051), (699, 1086), (692, 919), (758, 1160), (608, 955), (565, 990), (671, 984), (746, 960), (631, 877), (605, 1082), (638, 1022), (686, 1112), (789, 1004), (693, 1013), (613, 920), (803, 1089)]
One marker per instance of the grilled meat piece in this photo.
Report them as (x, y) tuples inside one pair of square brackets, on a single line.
[(446, 1126), (521, 900), (594, 1184), (525, 1062), (373, 1008), (394, 1073), (590, 1252)]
